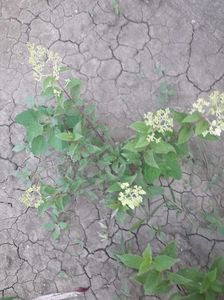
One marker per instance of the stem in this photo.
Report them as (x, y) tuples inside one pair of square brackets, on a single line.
[(83, 115)]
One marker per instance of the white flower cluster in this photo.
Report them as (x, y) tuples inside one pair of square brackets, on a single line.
[(160, 121), (152, 138), (40, 57), (131, 196), (32, 197), (213, 111)]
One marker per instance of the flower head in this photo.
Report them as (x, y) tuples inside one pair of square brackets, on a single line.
[(32, 197), (213, 110), (131, 196), (41, 59), (160, 121)]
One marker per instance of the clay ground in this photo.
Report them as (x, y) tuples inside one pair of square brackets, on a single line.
[(126, 59)]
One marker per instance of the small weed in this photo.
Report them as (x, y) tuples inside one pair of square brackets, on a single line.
[(115, 7), (165, 92)]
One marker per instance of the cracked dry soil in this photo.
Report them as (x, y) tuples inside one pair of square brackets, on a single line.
[(122, 61)]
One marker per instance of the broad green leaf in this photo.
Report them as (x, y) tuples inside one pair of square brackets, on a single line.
[(147, 254), (78, 128), (131, 157), (178, 279), (39, 145), (74, 86), (210, 295), (71, 120), (176, 296), (141, 277), (152, 280), (141, 142), (201, 127), (130, 146), (179, 116), (194, 117), (212, 275), (217, 286), (149, 158), (193, 296), (55, 142), (162, 147), (115, 187), (65, 136), (155, 190), (140, 126), (219, 265), (131, 261), (163, 262), (174, 167), (182, 149), (185, 134), (150, 173), (33, 130), (170, 250), (145, 266), (27, 117)]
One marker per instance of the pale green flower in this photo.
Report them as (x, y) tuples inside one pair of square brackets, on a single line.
[(213, 110), (160, 121), (152, 138), (131, 196), (43, 60), (32, 197)]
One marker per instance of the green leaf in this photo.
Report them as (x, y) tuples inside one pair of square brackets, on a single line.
[(152, 281), (55, 142), (193, 296), (155, 190), (63, 225), (163, 262), (39, 145), (49, 226), (176, 296), (65, 136), (170, 250), (18, 148), (201, 127), (185, 134), (149, 158), (74, 85), (145, 266), (27, 117), (150, 173), (194, 117), (212, 275), (178, 279), (33, 130), (219, 265), (140, 126), (182, 149), (56, 233), (131, 261), (115, 187), (174, 167), (147, 254), (179, 116), (210, 137), (141, 142), (162, 148)]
